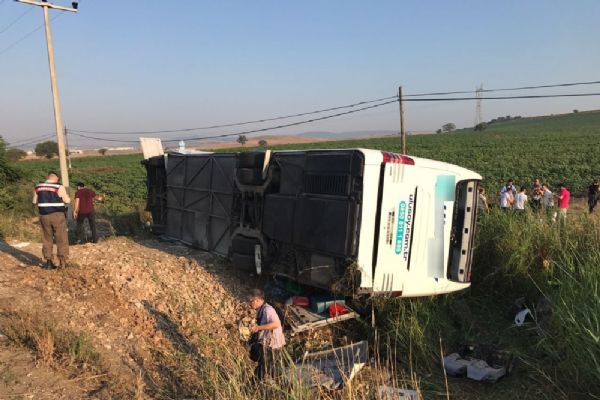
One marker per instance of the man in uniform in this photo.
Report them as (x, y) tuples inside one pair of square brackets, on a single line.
[(52, 199)]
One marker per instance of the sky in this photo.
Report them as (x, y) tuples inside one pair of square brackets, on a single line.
[(149, 65)]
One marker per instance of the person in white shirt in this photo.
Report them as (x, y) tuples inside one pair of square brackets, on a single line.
[(548, 202), (521, 200), (510, 186), (506, 200)]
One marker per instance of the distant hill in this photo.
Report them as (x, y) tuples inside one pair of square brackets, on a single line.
[(354, 134)]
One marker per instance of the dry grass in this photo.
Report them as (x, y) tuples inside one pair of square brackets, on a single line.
[(53, 347)]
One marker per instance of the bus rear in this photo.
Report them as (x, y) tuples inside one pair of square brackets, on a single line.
[(424, 227)]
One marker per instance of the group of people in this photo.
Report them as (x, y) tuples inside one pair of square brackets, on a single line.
[(540, 198), (52, 201)]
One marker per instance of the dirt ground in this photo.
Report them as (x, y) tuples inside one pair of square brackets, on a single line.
[(137, 301)]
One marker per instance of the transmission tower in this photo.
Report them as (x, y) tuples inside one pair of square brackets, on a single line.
[(478, 96)]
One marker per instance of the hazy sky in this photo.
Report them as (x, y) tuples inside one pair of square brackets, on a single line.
[(144, 65)]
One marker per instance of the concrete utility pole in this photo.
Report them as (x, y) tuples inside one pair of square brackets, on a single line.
[(60, 138), (402, 132)]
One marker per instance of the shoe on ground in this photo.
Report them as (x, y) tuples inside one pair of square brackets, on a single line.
[(48, 264)]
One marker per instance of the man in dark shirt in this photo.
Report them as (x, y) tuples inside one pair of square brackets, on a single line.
[(84, 208), (593, 195)]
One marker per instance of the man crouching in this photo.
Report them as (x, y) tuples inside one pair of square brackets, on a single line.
[(267, 336)]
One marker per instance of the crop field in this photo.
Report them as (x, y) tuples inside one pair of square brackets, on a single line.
[(564, 148)]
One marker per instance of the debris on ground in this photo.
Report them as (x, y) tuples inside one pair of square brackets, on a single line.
[(521, 316), (332, 368), (385, 392), (479, 363)]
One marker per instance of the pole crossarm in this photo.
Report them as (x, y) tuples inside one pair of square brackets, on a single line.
[(48, 5)]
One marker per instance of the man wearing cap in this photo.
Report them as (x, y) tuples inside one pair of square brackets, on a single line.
[(52, 199)]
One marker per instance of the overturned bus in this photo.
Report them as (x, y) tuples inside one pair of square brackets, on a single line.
[(351, 221)]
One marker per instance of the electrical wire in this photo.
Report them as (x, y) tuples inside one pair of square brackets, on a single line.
[(166, 131), (15, 145), (505, 89), (340, 114), (506, 97), (248, 131), (30, 139), (235, 123), (13, 44), (16, 20)]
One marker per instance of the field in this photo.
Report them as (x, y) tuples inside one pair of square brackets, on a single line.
[(551, 268), (556, 149)]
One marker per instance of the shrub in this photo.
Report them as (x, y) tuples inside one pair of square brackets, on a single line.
[(46, 149)]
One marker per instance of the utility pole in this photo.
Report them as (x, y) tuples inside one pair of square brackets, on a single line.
[(402, 132), (68, 149), (60, 137)]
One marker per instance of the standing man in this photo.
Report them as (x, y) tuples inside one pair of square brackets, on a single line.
[(268, 339), (548, 202), (563, 202), (521, 200), (593, 195), (52, 199), (536, 196), (506, 199), (84, 209)]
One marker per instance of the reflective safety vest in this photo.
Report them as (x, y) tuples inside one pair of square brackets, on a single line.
[(48, 200)]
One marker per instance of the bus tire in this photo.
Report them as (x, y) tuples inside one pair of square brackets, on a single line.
[(243, 245), (249, 176), (251, 159), (243, 262)]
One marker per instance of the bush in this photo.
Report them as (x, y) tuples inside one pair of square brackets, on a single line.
[(480, 127), (7, 172), (46, 149), (449, 127), (15, 154)]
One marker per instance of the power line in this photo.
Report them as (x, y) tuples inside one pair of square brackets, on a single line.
[(249, 131), (10, 46), (31, 142), (340, 114), (505, 89), (16, 20), (235, 123), (30, 139), (333, 109), (506, 97)]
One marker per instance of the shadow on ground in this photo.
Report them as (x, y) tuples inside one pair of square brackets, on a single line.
[(22, 256)]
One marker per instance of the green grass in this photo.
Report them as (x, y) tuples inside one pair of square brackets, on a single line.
[(120, 178), (555, 269)]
